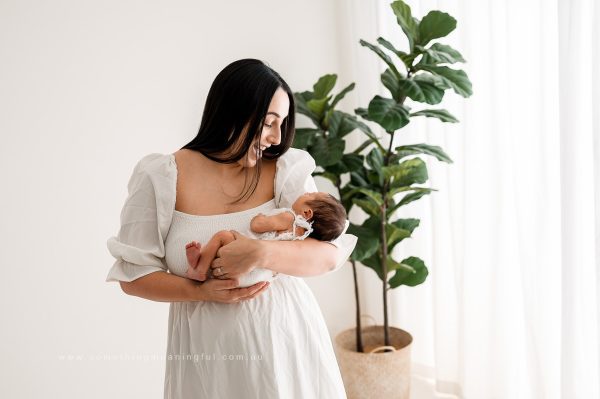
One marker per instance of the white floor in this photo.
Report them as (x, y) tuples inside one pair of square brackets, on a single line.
[(423, 388)]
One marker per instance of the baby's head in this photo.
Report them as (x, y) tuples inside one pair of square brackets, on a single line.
[(325, 211)]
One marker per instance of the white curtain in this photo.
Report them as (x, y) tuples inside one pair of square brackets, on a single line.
[(511, 306)]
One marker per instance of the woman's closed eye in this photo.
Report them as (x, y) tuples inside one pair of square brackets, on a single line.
[(267, 125)]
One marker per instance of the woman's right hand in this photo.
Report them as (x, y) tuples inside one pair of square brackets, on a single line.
[(227, 291)]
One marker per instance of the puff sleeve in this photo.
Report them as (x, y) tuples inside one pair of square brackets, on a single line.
[(145, 219), (294, 178)]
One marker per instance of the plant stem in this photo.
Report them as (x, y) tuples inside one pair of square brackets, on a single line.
[(384, 248), (359, 343)]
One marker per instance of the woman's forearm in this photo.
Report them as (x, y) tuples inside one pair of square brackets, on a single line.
[(163, 287), (301, 258)]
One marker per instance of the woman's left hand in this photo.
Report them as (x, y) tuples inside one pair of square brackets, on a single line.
[(239, 257)]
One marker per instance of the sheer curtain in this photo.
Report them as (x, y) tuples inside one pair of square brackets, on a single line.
[(511, 307)]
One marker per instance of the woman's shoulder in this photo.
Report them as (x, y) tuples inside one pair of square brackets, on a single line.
[(156, 163), (296, 154), (157, 173), (295, 161), (293, 176)]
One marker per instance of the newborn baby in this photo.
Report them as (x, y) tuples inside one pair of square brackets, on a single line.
[(318, 215)]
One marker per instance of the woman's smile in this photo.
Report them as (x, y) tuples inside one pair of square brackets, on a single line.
[(259, 149)]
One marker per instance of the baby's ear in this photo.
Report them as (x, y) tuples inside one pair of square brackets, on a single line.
[(308, 213)]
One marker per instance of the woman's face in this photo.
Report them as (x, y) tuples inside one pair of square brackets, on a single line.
[(271, 130)]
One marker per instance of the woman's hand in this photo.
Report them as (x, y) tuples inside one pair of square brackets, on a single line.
[(238, 257), (227, 291)]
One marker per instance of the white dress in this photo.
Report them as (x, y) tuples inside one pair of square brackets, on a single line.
[(274, 346)]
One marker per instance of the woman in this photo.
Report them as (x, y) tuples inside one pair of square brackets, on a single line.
[(268, 340)]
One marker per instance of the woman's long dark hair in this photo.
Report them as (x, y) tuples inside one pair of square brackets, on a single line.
[(240, 96)]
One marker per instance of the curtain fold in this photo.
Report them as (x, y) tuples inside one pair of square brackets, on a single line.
[(511, 307)]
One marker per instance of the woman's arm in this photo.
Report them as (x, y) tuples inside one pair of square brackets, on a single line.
[(166, 287), (302, 258)]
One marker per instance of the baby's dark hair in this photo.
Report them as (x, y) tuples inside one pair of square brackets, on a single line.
[(329, 218)]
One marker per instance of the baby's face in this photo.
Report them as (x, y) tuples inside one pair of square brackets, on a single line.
[(301, 203)]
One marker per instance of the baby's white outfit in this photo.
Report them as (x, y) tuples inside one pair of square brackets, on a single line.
[(299, 221), (260, 274)]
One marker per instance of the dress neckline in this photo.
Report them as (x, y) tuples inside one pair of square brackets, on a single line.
[(221, 215)]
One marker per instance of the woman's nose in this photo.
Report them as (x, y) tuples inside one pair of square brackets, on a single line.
[(275, 137)]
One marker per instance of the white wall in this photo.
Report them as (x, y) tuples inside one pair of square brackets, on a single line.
[(86, 89)]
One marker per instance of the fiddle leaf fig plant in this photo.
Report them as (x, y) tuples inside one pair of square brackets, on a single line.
[(383, 177), (392, 176)]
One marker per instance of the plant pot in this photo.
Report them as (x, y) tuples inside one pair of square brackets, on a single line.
[(379, 374)]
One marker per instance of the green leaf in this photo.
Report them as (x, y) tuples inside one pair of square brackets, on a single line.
[(341, 94), (388, 113), (374, 262), (367, 244), (341, 123), (347, 202), (365, 144), (440, 114), (304, 137), (302, 108), (407, 224), (408, 172), (410, 197), (367, 205), (403, 276), (394, 235), (385, 43), (334, 178), (427, 149), (439, 54), (357, 178), (324, 85), (373, 223), (317, 107), (392, 265), (375, 159), (423, 88), (305, 95), (408, 188), (407, 59), (353, 162), (434, 25), (327, 151), (391, 82), (367, 131), (362, 112), (456, 79), (406, 22), (386, 58), (375, 178), (373, 195)]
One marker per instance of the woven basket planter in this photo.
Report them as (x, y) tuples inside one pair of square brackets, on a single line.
[(375, 373)]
